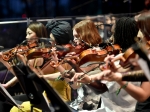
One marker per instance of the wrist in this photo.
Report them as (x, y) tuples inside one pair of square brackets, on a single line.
[(123, 85), (118, 77), (58, 66), (91, 80), (63, 73)]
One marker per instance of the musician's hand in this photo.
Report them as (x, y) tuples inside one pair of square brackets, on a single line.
[(133, 61), (113, 76), (107, 61), (5, 86), (100, 75), (22, 58), (70, 54), (112, 62), (72, 60), (81, 78), (1, 59), (54, 56), (118, 57)]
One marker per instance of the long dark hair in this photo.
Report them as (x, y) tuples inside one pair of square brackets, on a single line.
[(125, 31), (144, 24), (39, 29)]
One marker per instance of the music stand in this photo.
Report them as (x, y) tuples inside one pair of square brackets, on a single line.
[(5, 97), (33, 87)]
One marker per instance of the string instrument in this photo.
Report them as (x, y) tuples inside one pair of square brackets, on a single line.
[(37, 52), (96, 86), (22, 49), (130, 53), (60, 50), (77, 49), (124, 59), (113, 49), (93, 55)]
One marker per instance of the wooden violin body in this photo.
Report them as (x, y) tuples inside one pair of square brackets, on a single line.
[(22, 49), (129, 53), (113, 49), (37, 52), (60, 50), (91, 55)]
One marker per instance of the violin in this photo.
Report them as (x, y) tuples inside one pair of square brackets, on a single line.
[(60, 50), (22, 49), (113, 49), (76, 48), (37, 52), (92, 55), (97, 86), (130, 53)]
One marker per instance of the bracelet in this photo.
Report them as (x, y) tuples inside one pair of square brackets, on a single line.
[(124, 86), (58, 78)]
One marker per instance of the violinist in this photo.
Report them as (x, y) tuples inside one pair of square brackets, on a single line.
[(60, 33), (31, 32), (91, 34), (142, 93), (84, 32), (34, 30), (125, 30)]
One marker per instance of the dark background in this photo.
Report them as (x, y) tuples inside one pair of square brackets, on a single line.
[(57, 8)]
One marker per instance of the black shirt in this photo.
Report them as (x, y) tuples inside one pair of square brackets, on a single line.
[(143, 107)]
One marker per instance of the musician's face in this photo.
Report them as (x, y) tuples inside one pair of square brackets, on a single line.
[(112, 32), (53, 42), (76, 37), (30, 35)]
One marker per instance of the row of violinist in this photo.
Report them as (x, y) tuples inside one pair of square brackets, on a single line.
[(84, 52), (88, 49)]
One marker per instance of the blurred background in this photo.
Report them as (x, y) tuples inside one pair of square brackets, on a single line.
[(56, 8)]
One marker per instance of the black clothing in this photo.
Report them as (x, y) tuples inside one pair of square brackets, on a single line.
[(144, 106), (61, 31)]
